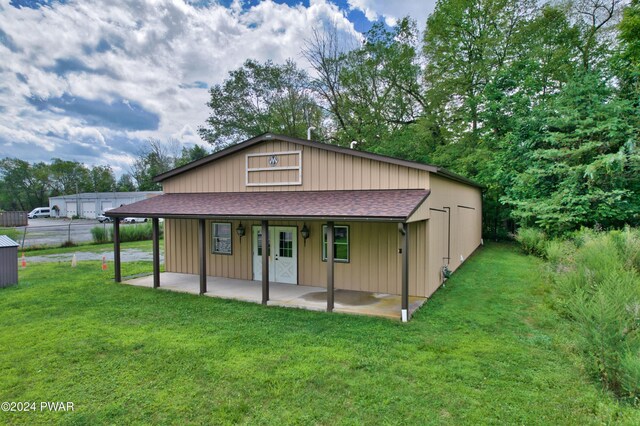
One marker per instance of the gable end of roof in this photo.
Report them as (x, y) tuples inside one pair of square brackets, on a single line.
[(313, 144)]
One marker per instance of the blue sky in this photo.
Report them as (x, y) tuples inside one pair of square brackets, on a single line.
[(92, 80)]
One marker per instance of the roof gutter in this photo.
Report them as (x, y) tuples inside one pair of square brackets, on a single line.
[(258, 218)]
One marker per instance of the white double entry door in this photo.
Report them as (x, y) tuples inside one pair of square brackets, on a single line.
[(283, 254)]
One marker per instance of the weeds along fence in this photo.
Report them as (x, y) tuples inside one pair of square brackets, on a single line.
[(70, 233), (131, 232)]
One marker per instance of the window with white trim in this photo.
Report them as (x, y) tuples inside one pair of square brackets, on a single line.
[(221, 238), (340, 243)]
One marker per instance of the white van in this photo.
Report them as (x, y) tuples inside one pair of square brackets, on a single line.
[(39, 212)]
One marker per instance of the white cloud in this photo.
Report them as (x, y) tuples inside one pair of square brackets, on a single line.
[(148, 57), (392, 11)]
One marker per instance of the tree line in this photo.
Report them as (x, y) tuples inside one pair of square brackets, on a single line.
[(24, 186), (540, 103)]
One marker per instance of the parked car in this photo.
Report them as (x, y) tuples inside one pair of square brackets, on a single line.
[(104, 219), (39, 212), (134, 219)]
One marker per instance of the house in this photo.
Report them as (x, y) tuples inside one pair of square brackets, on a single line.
[(392, 226), (90, 205)]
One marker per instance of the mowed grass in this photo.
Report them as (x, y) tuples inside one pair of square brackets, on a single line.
[(485, 349)]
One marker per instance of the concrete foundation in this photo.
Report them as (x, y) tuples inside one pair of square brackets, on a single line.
[(287, 295)]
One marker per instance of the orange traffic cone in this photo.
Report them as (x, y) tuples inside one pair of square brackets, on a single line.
[(24, 261), (104, 263)]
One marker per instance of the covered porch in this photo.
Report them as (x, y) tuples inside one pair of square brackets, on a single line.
[(396, 209), (285, 295)]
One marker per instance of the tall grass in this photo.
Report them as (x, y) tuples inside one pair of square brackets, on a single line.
[(597, 285), (532, 240), (132, 232), (101, 235), (12, 233)]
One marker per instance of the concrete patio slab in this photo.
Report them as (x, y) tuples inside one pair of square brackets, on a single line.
[(286, 295)]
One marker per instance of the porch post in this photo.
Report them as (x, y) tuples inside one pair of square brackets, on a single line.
[(404, 230), (156, 252), (116, 249), (265, 262), (330, 265), (202, 249)]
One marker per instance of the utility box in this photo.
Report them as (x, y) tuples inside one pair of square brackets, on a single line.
[(8, 261)]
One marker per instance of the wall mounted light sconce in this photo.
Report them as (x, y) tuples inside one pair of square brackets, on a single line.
[(240, 230), (305, 233)]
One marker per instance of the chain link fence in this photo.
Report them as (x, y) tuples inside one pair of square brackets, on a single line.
[(57, 234)]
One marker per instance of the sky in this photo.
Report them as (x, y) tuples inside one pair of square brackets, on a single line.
[(93, 80)]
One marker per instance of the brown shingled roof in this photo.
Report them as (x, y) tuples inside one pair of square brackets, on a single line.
[(355, 205)]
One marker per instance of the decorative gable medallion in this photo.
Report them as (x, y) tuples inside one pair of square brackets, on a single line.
[(274, 168)]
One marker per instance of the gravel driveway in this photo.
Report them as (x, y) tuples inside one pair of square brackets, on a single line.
[(126, 255)]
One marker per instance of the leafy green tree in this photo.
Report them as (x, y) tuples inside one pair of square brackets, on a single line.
[(23, 186), (594, 20), (102, 179), (381, 82), (126, 183), (154, 158), (629, 56), (465, 44), (371, 92), (69, 177), (576, 161), (258, 98), (187, 155)]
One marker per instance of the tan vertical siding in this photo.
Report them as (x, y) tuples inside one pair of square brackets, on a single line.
[(321, 170), (375, 264), (465, 205), (418, 260), (438, 234)]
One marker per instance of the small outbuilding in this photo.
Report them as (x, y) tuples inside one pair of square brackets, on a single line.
[(8, 261), (89, 205), (329, 218)]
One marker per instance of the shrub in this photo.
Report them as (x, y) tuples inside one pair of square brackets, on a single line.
[(101, 235), (559, 253), (533, 241), (627, 243), (608, 326), (133, 232), (136, 232), (601, 294), (583, 236)]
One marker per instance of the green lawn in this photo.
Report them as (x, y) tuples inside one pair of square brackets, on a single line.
[(485, 349)]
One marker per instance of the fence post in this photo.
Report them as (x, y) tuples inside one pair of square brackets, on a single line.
[(69, 233), (24, 236)]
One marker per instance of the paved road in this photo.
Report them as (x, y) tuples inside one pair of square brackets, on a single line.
[(53, 232)]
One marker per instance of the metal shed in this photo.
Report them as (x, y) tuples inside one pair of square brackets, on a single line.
[(8, 261)]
